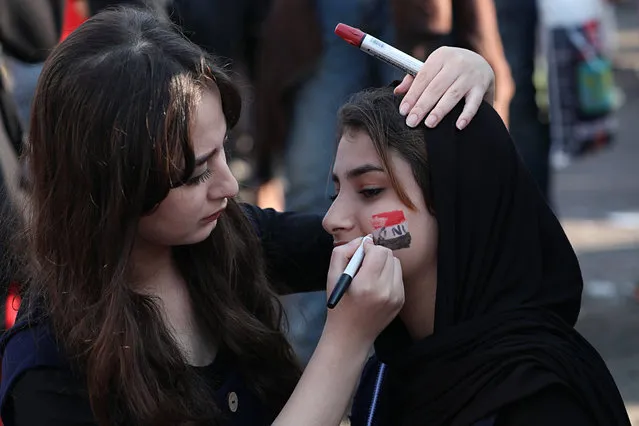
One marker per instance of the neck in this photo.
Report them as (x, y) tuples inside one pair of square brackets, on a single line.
[(155, 274), (418, 312), (151, 262)]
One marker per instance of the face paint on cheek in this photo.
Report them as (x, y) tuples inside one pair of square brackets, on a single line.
[(391, 230)]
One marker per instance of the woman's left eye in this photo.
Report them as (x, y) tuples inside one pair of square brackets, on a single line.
[(200, 179), (371, 192)]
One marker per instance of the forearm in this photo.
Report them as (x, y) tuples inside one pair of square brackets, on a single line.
[(327, 385), (296, 261), (476, 28)]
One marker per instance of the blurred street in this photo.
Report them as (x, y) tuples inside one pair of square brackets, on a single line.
[(598, 202)]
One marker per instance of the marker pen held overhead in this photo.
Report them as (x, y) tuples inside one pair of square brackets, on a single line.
[(347, 276), (379, 49)]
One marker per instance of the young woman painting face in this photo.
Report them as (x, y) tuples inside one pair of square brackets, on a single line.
[(190, 212)]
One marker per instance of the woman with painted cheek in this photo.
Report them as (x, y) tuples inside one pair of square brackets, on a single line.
[(367, 202), (493, 288)]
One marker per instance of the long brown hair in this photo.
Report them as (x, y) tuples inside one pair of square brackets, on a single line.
[(109, 138), (375, 112)]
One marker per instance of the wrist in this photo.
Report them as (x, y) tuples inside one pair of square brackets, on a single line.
[(346, 343)]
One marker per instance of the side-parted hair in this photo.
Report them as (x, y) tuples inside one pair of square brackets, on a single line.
[(376, 112), (110, 137)]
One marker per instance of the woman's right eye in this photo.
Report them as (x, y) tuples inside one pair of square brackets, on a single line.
[(371, 192)]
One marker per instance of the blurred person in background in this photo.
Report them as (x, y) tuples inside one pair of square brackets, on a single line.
[(518, 21), (518, 25), (29, 29)]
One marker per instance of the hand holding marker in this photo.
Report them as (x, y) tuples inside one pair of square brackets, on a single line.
[(348, 275)]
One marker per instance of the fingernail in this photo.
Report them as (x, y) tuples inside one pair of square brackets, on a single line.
[(411, 121), (403, 109), (431, 120), (462, 123)]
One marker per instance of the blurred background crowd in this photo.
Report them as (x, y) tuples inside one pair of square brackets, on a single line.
[(567, 80)]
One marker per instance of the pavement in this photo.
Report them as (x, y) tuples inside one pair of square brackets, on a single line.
[(597, 199)]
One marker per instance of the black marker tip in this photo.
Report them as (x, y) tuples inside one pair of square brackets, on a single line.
[(339, 290)]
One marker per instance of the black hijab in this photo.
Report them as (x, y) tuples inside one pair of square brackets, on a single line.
[(508, 293)]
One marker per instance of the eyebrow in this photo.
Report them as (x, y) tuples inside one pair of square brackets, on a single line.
[(358, 171), (204, 158)]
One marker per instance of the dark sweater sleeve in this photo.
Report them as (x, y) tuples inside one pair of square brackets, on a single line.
[(297, 248), (554, 406), (49, 397)]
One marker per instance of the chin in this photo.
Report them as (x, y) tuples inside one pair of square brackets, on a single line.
[(193, 238), (203, 233)]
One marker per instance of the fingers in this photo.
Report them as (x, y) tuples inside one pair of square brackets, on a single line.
[(448, 75), (419, 84), (398, 279), (443, 85), (473, 101), (390, 285), (375, 259), (341, 256), (404, 85), (397, 270), (389, 266)]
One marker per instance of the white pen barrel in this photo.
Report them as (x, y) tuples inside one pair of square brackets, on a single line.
[(356, 261), (389, 54)]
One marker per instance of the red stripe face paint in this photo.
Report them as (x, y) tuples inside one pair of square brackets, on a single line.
[(391, 230)]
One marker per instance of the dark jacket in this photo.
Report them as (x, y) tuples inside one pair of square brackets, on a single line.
[(296, 261), (32, 348)]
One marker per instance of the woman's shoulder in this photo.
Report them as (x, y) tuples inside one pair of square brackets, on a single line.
[(60, 396), (32, 367), (554, 405), (30, 342)]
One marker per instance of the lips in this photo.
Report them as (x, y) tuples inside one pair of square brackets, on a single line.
[(215, 216)]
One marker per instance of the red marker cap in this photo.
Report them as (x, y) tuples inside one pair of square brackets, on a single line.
[(352, 35)]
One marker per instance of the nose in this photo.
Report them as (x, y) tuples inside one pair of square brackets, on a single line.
[(224, 185), (339, 221)]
